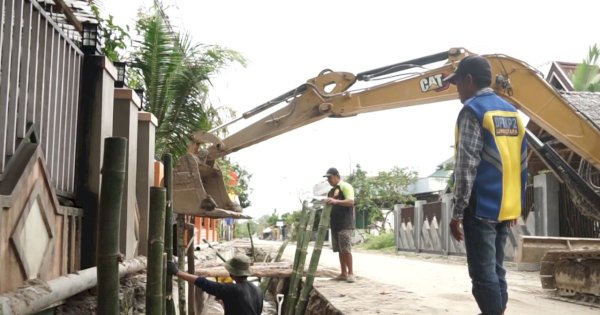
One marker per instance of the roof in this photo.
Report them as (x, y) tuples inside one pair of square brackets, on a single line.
[(586, 103), (560, 75)]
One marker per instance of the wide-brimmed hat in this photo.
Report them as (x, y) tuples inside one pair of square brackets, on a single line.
[(239, 266)]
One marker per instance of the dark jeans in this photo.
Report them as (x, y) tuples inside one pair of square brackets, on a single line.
[(485, 242)]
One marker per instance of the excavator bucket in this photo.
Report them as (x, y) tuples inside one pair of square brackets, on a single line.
[(199, 189)]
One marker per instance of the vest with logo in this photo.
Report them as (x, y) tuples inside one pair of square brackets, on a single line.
[(499, 186)]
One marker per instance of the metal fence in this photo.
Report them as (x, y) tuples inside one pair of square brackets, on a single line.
[(572, 222), (39, 75)]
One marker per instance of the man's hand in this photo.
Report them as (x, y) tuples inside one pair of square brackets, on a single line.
[(172, 268), (455, 229), (331, 201)]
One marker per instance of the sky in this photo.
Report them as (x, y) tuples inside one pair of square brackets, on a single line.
[(289, 42)]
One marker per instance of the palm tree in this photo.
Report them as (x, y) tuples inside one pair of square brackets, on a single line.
[(587, 75), (176, 73)]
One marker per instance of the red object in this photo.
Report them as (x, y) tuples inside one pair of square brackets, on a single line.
[(233, 178)]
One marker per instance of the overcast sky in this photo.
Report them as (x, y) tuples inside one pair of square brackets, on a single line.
[(289, 42)]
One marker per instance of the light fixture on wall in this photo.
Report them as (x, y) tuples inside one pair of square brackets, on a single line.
[(90, 41), (140, 94), (120, 81)]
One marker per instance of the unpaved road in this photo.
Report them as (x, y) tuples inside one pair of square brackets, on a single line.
[(431, 284)]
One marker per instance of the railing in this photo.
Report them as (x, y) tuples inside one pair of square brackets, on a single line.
[(572, 222), (39, 84)]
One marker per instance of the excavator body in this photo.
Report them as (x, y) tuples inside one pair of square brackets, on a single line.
[(199, 185)]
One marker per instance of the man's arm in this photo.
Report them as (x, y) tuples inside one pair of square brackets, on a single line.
[(470, 144), (213, 288), (348, 192)]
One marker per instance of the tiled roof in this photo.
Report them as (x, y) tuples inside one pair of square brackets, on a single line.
[(586, 103)]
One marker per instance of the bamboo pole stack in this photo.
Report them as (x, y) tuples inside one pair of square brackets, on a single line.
[(299, 265), (264, 284), (109, 219), (314, 260)]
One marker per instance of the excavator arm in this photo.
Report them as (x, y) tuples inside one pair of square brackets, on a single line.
[(329, 95)]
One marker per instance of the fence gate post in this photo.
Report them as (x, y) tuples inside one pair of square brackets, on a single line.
[(545, 195), (397, 223), (445, 221), (418, 223)]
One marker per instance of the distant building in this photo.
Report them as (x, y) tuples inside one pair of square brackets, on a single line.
[(431, 188)]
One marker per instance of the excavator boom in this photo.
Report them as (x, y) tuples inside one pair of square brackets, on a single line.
[(329, 95)]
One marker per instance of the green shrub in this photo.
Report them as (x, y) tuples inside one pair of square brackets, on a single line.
[(381, 241)]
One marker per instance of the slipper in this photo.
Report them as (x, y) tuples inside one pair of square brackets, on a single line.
[(350, 279)]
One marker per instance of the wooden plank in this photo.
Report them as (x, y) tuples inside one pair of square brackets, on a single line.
[(77, 247), (41, 62), (24, 66), (11, 134), (64, 262), (53, 128), (73, 108), (60, 117), (64, 8), (65, 117), (47, 89), (72, 243), (271, 270), (4, 78), (32, 87), (2, 9)]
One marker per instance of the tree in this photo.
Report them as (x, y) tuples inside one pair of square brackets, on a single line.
[(363, 192), (175, 73), (390, 189), (115, 38), (587, 75), (272, 220), (241, 186), (383, 191)]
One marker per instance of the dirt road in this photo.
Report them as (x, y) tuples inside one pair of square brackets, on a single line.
[(430, 284)]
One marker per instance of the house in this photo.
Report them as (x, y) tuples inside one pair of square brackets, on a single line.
[(431, 188)]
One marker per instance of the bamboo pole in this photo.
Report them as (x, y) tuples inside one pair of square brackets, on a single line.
[(216, 252), (191, 266), (168, 287), (156, 232), (314, 260), (109, 220), (251, 242), (180, 262), (299, 267), (299, 237), (264, 284), (52, 292)]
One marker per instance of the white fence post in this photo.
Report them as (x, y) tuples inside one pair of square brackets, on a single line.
[(418, 223)]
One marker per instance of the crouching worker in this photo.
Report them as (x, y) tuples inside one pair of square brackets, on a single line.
[(239, 298)]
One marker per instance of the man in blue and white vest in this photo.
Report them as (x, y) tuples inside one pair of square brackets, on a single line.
[(489, 179)]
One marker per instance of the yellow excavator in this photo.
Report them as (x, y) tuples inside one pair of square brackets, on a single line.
[(199, 187)]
